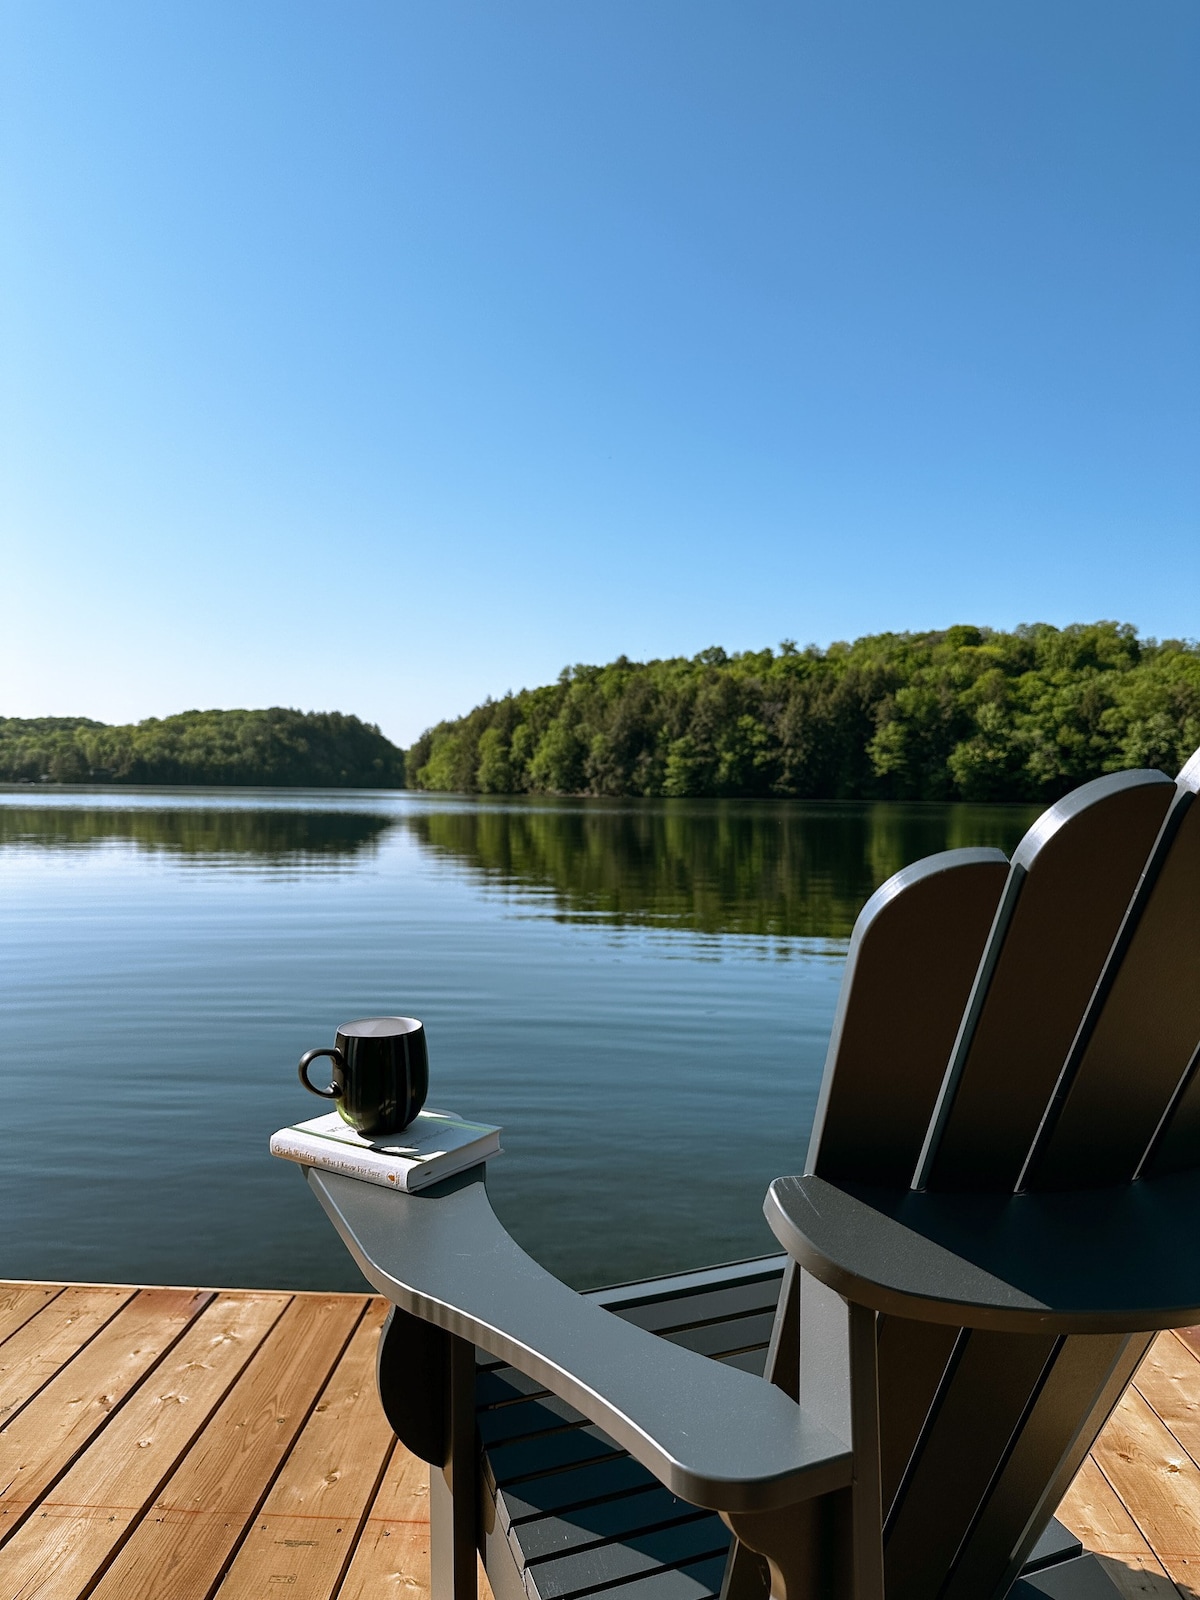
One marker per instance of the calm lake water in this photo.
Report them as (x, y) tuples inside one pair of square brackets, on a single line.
[(639, 992)]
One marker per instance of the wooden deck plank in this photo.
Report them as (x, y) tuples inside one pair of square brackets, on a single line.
[(303, 1538), (1096, 1516), (75, 1530), (1158, 1483), (243, 1451), (48, 1340), (181, 1546), (1169, 1378), (20, 1301), (392, 1555), (45, 1435)]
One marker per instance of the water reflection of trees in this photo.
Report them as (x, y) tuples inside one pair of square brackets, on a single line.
[(276, 837), (721, 867), (775, 869)]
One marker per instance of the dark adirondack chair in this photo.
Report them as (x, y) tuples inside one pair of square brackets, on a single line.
[(1001, 1205)]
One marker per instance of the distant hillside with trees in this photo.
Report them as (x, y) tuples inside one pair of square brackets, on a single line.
[(968, 713), (277, 746)]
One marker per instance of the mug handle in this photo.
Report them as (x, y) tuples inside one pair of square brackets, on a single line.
[(334, 1091)]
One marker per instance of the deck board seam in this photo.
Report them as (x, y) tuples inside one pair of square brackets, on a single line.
[(1194, 1360), (1158, 1416), (62, 1287), (364, 1520), (1151, 1556), (92, 1438), (273, 1477), (136, 1521), (28, 1399), (1146, 1533)]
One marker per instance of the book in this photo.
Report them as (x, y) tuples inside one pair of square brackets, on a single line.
[(435, 1145)]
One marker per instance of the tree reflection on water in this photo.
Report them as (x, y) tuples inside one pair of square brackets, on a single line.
[(776, 868), (209, 835)]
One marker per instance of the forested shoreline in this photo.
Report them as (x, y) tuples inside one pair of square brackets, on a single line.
[(963, 714), (274, 747)]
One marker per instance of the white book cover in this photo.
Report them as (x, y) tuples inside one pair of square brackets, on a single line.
[(435, 1145)]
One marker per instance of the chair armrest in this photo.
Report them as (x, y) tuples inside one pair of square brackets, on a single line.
[(1111, 1260), (716, 1436)]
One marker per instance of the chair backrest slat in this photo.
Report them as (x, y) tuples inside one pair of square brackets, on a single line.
[(1134, 1047), (1177, 1141), (1058, 920), (912, 960)]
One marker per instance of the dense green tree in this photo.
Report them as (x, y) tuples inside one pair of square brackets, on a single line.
[(967, 713), (277, 746)]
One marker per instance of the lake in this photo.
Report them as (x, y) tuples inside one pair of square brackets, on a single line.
[(639, 992)]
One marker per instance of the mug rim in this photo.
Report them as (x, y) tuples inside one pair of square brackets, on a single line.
[(350, 1030)]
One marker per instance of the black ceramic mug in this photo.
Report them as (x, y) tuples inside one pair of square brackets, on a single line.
[(380, 1073)]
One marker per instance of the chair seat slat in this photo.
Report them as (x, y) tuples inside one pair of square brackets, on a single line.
[(690, 1311), (637, 1555), (549, 1452), (725, 1338), (626, 1516), (699, 1580), (526, 1420), (572, 1487)]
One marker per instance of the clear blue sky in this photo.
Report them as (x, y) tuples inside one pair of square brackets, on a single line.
[(379, 356)]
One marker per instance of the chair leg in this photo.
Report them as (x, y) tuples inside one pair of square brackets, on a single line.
[(746, 1574), (807, 1547), (867, 1497), (454, 1487), (839, 1385)]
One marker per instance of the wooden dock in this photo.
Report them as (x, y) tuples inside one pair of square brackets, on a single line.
[(180, 1444)]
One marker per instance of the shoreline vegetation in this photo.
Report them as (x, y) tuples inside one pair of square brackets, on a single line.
[(962, 714), (273, 747)]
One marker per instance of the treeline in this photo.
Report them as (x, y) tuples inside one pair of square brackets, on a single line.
[(277, 746), (968, 713)]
